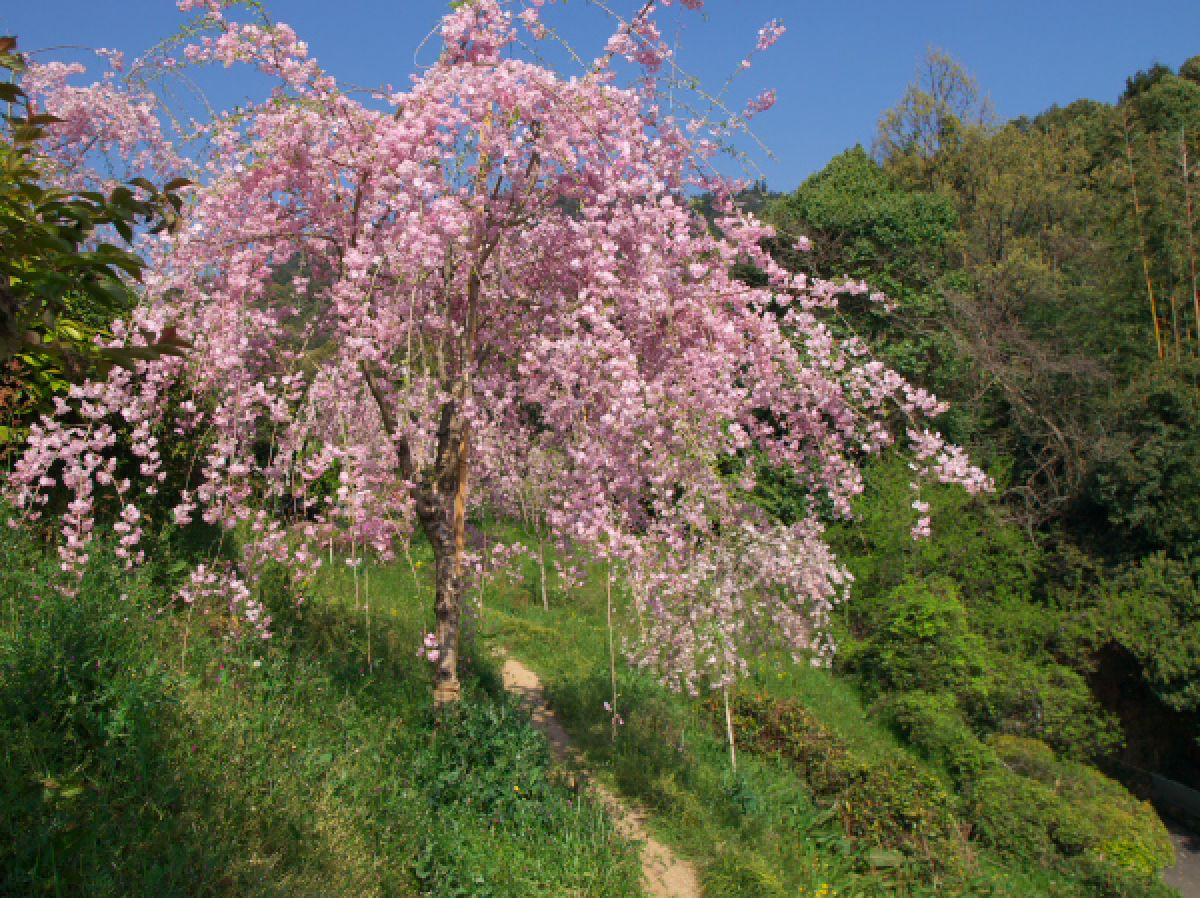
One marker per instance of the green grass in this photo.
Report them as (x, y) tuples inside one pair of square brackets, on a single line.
[(312, 764), (758, 832), (282, 769)]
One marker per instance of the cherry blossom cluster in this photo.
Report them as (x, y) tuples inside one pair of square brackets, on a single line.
[(701, 600), (515, 249), (109, 131), (214, 586)]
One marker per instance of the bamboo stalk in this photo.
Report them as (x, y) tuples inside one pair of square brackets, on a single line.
[(1137, 220), (1175, 325), (1191, 241)]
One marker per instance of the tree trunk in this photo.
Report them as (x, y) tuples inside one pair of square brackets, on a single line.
[(440, 495), (442, 521), (441, 509)]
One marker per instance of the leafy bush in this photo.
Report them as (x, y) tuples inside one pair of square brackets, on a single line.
[(892, 804), (936, 726), (923, 641), (1043, 700), (1144, 488), (898, 805), (1153, 609), (61, 280), (1042, 809), (1024, 819)]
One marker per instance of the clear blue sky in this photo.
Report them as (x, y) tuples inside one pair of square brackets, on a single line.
[(838, 67)]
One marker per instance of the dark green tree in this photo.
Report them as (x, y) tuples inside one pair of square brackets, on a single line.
[(62, 279)]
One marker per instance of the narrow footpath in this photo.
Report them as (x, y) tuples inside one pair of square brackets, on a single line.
[(665, 875)]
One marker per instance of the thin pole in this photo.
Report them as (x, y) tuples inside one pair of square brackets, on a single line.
[(729, 730), (612, 652), (367, 607), (542, 567)]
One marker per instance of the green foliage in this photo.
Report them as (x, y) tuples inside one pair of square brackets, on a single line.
[(486, 762), (1144, 80), (864, 224), (61, 282), (941, 107), (1191, 70), (741, 873), (145, 755), (1145, 482), (922, 641), (1152, 609), (870, 222), (959, 616), (1044, 810), (84, 708), (935, 725), (993, 564), (1022, 819), (890, 804), (487, 757)]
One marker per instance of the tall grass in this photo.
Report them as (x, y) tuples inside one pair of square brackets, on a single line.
[(290, 768)]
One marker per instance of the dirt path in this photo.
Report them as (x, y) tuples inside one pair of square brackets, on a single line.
[(665, 875), (1185, 875)]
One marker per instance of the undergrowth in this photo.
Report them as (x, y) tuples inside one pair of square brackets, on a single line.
[(133, 767), (829, 796), (138, 763)]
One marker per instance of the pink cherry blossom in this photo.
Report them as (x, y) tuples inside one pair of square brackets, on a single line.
[(509, 303)]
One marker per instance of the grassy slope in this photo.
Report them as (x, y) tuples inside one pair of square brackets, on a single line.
[(295, 769), (288, 769), (757, 833)]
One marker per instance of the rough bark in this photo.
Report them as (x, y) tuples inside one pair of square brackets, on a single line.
[(440, 495), (443, 528), (441, 509)]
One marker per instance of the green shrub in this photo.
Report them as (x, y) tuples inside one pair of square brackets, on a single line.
[(1021, 818), (793, 732), (900, 806), (923, 641), (1046, 701), (731, 873), (1029, 757), (893, 804), (1123, 831), (1103, 880), (935, 725), (1152, 609), (1043, 809)]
